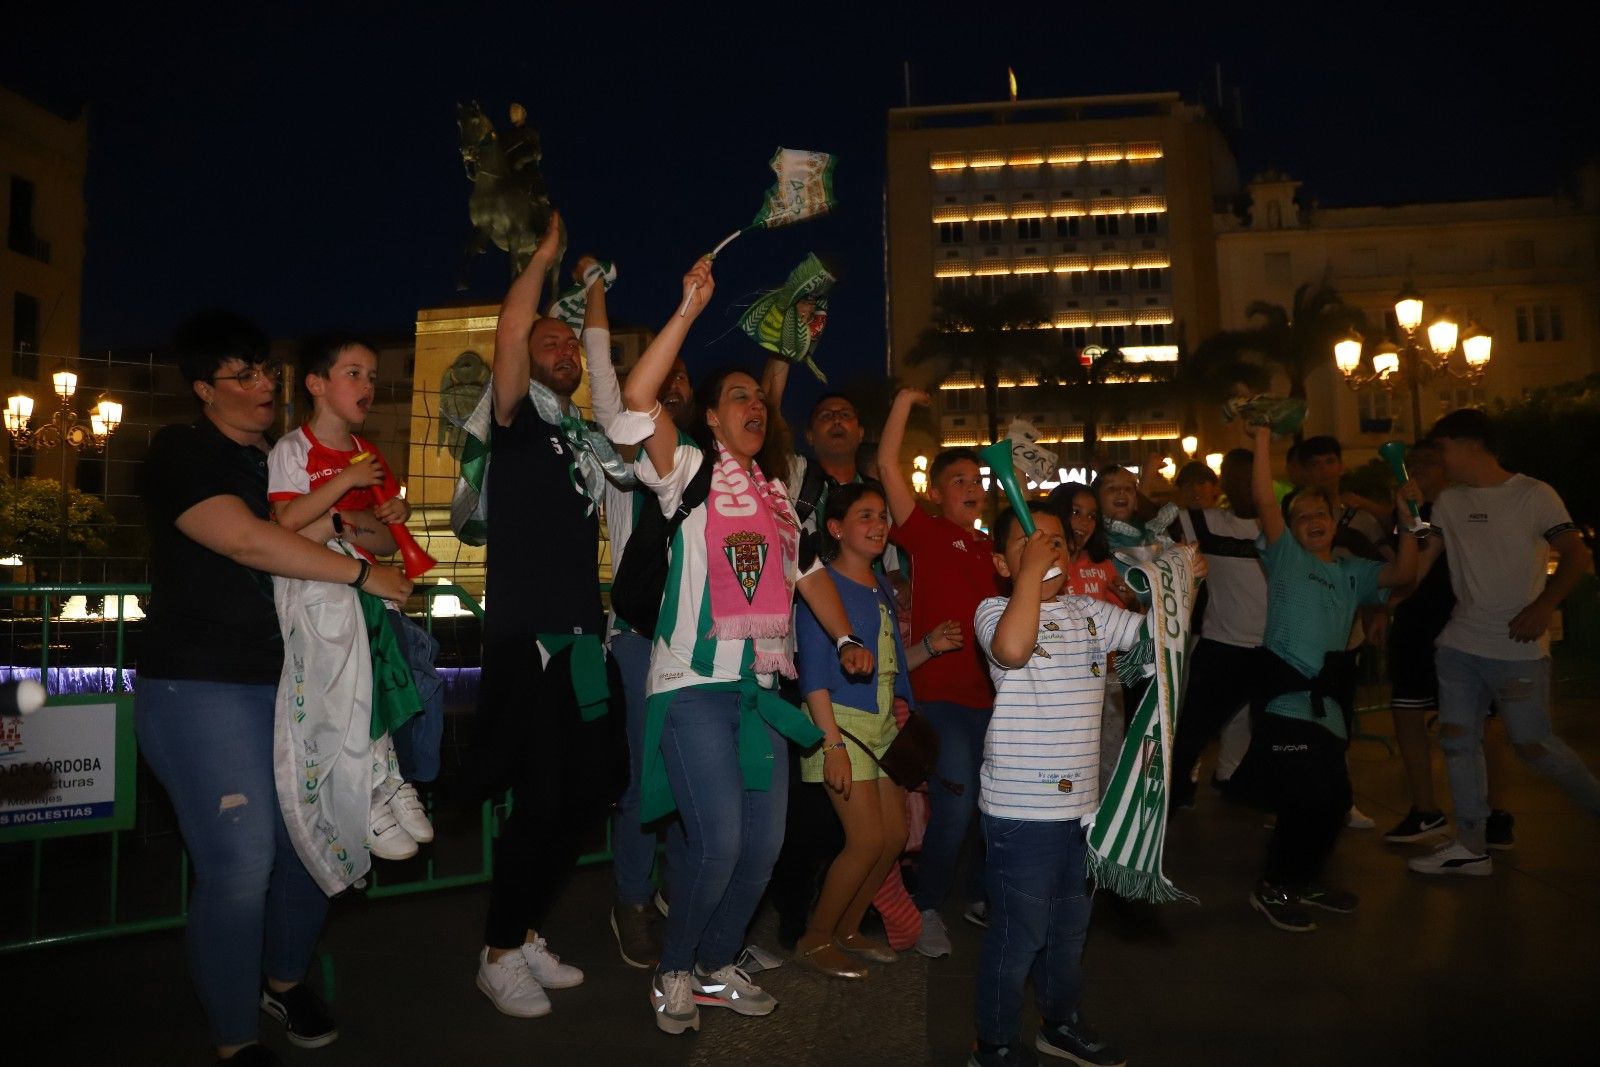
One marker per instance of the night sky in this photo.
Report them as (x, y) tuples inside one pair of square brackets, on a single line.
[(304, 169)]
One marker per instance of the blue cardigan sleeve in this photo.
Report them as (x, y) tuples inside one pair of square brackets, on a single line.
[(818, 660)]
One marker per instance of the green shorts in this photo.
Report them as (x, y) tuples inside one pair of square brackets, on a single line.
[(877, 732)]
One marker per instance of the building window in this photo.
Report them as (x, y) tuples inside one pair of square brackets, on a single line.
[(1277, 267), (990, 286), (1113, 336), (1030, 229), (1106, 225), (952, 233), (1036, 284), (1108, 281), (1540, 322), (1075, 281), (20, 235), (1455, 398), (1375, 409), (1068, 228), (1147, 222), (1149, 278), (991, 230), (1153, 334), (958, 399), (952, 287), (1076, 337), (24, 336)]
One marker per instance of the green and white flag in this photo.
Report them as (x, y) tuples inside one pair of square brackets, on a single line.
[(1127, 834), (789, 320), (804, 188), (571, 305)]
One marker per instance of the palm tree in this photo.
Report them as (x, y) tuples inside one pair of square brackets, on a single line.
[(984, 337), (1297, 339), (1096, 392)]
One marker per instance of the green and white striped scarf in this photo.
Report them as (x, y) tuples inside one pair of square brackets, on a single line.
[(1127, 834), (595, 459)]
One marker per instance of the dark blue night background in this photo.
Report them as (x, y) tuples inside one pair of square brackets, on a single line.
[(301, 165)]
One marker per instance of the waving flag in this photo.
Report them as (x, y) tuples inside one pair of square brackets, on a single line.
[(789, 320)]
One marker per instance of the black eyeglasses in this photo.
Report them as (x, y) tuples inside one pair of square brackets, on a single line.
[(249, 379)]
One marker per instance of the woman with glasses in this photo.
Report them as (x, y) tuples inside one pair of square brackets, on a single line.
[(208, 682)]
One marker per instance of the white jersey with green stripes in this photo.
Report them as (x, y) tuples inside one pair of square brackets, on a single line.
[(682, 651)]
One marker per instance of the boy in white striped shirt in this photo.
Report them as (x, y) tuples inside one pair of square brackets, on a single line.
[(1040, 777)]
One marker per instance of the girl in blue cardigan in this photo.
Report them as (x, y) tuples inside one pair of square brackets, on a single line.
[(870, 805)]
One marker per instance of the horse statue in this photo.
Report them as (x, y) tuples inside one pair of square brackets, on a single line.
[(509, 205)]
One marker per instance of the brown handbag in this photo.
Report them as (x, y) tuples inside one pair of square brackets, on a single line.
[(912, 757)]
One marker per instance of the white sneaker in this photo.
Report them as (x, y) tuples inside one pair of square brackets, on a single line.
[(386, 838), (510, 986), (935, 939), (1359, 820), (547, 968), (729, 987), (672, 997), (1453, 858), (412, 815)]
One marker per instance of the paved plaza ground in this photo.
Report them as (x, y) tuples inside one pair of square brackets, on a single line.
[(1471, 970)]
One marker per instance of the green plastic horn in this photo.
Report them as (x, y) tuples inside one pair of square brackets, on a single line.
[(1394, 453), (1003, 469)]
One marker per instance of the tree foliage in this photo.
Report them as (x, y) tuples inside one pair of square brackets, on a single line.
[(985, 337), (1551, 434), (30, 519)]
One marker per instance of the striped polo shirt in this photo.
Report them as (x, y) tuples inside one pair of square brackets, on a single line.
[(1041, 756)]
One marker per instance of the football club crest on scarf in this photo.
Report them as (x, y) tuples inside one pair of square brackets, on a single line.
[(747, 553)]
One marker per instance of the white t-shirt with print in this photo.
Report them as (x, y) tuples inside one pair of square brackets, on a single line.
[(1498, 542)]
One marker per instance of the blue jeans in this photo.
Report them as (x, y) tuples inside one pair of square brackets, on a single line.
[(1038, 914), (961, 730), (732, 834), (1520, 688), (633, 847), (254, 909)]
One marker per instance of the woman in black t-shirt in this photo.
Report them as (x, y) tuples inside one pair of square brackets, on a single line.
[(208, 682)]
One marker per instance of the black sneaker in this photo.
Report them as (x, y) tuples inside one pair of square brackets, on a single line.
[(1282, 909), (1499, 831), (1416, 826), (998, 1056), (303, 1015), (1077, 1041), (1334, 900), (256, 1055), (638, 931)]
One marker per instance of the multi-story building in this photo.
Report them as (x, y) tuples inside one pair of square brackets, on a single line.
[(1524, 269), (1100, 206), (43, 157)]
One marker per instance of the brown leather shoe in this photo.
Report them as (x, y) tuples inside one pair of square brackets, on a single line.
[(829, 960), (860, 945)]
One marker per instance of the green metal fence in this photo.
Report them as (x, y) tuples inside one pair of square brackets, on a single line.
[(137, 880)]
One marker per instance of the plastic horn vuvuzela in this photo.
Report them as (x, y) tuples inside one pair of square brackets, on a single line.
[(1003, 469), (417, 561), (1394, 453)]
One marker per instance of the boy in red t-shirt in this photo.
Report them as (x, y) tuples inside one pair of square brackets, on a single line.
[(951, 573), (319, 489)]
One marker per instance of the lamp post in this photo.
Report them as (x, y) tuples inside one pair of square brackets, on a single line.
[(64, 430), (1420, 364)]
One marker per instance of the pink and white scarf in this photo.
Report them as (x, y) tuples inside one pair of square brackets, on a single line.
[(752, 538)]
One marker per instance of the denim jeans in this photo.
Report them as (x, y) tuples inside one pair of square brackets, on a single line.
[(961, 730), (254, 909), (1038, 915), (1521, 691), (732, 834), (633, 847)]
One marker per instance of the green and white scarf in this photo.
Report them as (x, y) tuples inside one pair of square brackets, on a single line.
[(571, 305), (1127, 834), (594, 460)]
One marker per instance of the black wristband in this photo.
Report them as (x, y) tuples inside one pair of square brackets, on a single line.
[(361, 578)]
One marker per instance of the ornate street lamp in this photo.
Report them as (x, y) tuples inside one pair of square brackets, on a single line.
[(1410, 364), (64, 430)]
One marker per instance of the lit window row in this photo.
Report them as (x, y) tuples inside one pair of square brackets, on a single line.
[(1156, 259), (1056, 155), (1057, 209)]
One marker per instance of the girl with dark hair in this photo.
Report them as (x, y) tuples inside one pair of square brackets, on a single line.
[(715, 725), (871, 807), (1092, 573)]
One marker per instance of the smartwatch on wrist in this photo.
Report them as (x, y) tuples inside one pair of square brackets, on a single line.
[(848, 639)]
